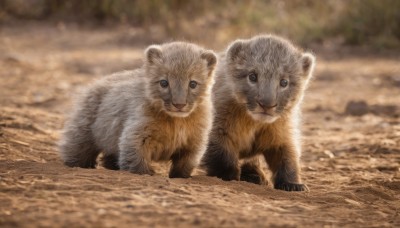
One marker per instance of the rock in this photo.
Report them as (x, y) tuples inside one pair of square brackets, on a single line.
[(357, 108)]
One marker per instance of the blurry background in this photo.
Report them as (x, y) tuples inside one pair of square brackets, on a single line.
[(51, 49), (371, 23)]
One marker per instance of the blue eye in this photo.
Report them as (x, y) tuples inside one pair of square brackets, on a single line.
[(283, 83), (253, 77), (164, 83), (193, 84)]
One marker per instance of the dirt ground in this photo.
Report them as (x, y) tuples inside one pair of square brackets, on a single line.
[(351, 149)]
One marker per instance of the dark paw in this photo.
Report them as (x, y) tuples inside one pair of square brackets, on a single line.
[(226, 174), (251, 172), (151, 172), (229, 177), (253, 178), (178, 175), (86, 165), (110, 162), (291, 187), (175, 172), (143, 171)]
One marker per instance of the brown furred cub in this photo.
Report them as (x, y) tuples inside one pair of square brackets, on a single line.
[(160, 112), (259, 87)]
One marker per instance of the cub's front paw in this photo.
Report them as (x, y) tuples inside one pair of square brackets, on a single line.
[(176, 172), (253, 174), (227, 174), (178, 175), (254, 178), (143, 170), (286, 186)]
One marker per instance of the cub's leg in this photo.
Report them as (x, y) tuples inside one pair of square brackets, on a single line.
[(251, 171), (77, 146), (185, 159), (110, 161), (221, 163), (135, 149), (284, 164), (134, 161), (183, 163)]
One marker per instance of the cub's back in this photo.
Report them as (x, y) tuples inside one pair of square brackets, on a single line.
[(125, 95)]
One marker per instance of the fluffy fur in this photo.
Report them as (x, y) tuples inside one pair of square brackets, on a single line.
[(132, 119), (256, 114)]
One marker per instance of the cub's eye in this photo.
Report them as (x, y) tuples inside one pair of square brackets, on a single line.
[(193, 84), (164, 83), (284, 83), (253, 77)]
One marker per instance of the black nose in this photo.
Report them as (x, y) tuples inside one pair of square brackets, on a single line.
[(267, 105), (179, 106)]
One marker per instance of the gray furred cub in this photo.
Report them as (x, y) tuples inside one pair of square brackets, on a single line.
[(259, 87), (160, 112)]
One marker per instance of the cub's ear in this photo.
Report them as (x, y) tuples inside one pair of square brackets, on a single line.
[(236, 50), (154, 54), (210, 57), (308, 63)]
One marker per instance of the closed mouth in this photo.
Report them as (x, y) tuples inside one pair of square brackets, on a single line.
[(172, 109), (263, 113), (180, 111)]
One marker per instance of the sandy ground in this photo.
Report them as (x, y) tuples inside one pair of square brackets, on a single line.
[(351, 151)]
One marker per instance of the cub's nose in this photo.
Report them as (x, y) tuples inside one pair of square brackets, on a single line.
[(179, 106), (267, 105)]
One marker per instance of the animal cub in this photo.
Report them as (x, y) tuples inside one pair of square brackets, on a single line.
[(257, 95), (160, 112)]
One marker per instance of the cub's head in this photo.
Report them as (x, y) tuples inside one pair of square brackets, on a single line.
[(180, 76), (268, 74)]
